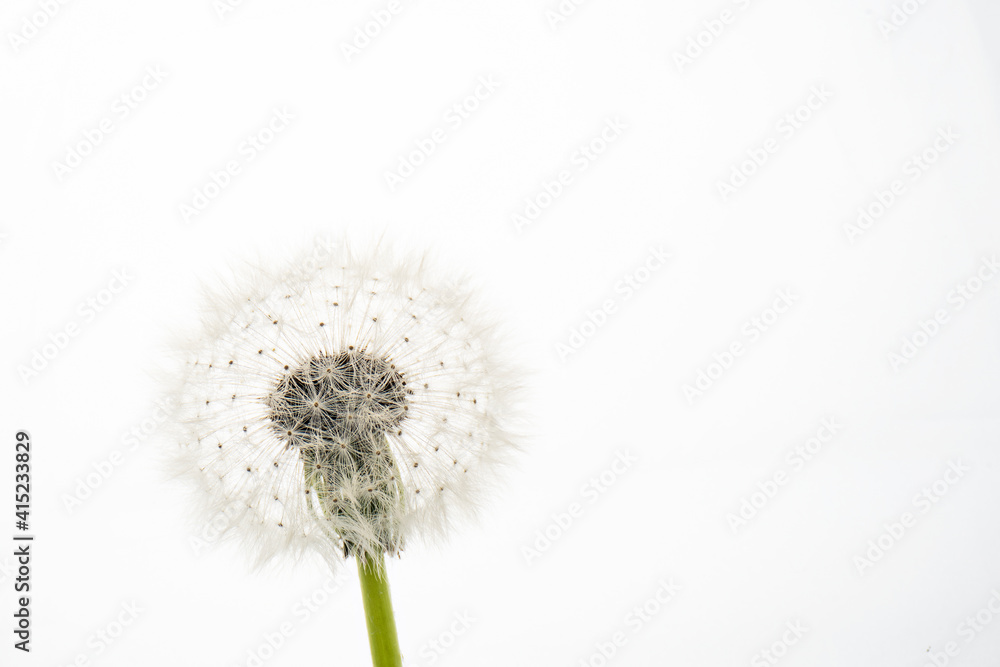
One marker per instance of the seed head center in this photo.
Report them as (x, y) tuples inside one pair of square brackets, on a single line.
[(348, 396)]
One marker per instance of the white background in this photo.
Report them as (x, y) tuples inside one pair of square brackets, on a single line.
[(857, 297)]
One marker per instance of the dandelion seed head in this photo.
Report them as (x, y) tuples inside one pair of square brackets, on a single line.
[(345, 404)]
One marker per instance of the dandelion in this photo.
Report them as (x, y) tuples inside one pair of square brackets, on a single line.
[(345, 406)]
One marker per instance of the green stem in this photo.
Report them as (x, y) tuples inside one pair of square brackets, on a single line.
[(378, 612)]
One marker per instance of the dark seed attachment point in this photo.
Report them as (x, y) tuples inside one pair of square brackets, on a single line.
[(346, 396)]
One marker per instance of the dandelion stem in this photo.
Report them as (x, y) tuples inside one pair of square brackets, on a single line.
[(378, 612)]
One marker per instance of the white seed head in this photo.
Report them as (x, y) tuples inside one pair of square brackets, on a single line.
[(344, 405)]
